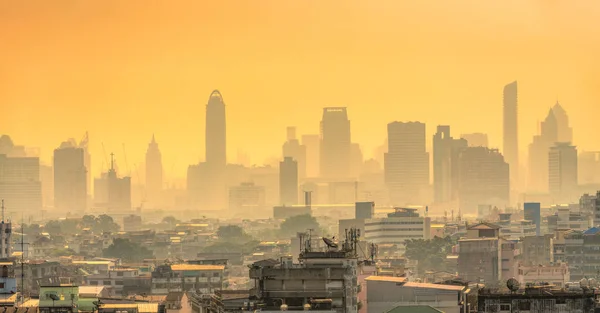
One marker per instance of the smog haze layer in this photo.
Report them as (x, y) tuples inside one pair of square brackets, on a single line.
[(124, 70)]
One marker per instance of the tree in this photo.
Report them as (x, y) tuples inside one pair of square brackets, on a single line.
[(105, 223), (298, 223), (170, 220), (430, 254), (127, 251), (231, 233)]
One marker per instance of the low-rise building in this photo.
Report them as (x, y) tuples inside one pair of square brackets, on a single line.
[(386, 293), (397, 227), (185, 277), (557, 275)]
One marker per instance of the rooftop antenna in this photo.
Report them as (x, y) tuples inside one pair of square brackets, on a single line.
[(2, 210), (112, 162)]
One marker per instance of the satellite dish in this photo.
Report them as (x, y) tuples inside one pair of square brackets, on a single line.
[(54, 297), (593, 282), (513, 285), (583, 282), (330, 243)]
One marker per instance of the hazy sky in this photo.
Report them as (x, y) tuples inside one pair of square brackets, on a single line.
[(126, 69)]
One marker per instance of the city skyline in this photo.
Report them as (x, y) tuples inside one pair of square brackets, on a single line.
[(157, 83)]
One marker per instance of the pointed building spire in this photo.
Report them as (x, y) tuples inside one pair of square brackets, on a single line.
[(153, 141)]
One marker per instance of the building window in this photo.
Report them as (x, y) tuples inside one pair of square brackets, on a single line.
[(1, 285), (107, 283), (119, 273), (504, 307)]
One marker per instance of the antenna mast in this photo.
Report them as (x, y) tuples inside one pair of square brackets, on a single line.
[(2, 210)]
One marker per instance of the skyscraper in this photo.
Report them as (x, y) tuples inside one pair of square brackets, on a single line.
[(20, 185), (313, 154), (292, 148), (216, 140), (288, 181), (206, 182), (407, 163), (564, 132), (335, 143), (154, 173), (446, 152), (511, 130), (562, 167), (538, 154), (70, 178), (483, 178)]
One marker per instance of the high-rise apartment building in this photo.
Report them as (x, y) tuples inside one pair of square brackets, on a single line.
[(476, 139), (288, 181), (70, 178), (335, 144), (511, 129), (446, 152), (5, 235), (154, 173), (562, 172), (483, 178), (313, 154), (20, 185), (407, 163), (292, 148)]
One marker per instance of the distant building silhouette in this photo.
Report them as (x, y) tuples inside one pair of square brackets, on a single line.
[(356, 160), (564, 131), (313, 154), (206, 182), (20, 185), (446, 153), (111, 192), (246, 196), (562, 182), (70, 178), (550, 131), (511, 130), (216, 133), (483, 178), (154, 173), (476, 139), (589, 168), (292, 148), (288, 181), (335, 144), (406, 163)]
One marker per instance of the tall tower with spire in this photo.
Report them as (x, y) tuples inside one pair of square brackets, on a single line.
[(154, 172), (511, 130), (216, 139), (206, 182)]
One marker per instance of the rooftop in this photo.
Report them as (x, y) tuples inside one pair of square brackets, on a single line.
[(484, 226), (390, 279), (196, 267)]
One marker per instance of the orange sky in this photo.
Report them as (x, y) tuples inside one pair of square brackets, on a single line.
[(126, 69)]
